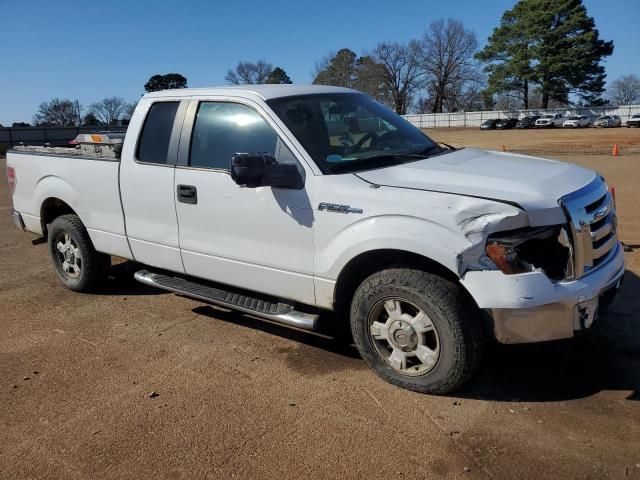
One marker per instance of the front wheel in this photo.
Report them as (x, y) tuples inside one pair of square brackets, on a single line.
[(78, 265), (416, 330)]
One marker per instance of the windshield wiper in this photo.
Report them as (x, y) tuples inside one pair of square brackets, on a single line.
[(377, 160)]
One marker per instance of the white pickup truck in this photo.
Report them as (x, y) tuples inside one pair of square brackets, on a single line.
[(287, 201), (550, 120)]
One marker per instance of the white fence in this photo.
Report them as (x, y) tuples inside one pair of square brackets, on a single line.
[(475, 119)]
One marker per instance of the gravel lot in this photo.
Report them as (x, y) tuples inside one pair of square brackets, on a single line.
[(242, 398)]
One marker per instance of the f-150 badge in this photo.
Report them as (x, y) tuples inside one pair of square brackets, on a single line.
[(336, 208)]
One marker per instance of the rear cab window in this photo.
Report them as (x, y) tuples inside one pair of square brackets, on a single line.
[(155, 137)]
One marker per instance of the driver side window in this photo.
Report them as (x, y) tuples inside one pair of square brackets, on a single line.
[(223, 129)]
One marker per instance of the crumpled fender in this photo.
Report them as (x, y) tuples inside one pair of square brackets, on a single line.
[(457, 243), (476, 226)]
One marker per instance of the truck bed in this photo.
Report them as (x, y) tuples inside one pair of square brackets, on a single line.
[(62, 152), (89, 184)]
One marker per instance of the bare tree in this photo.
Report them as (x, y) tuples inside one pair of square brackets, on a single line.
[(506, 102), (625, 90), (447, 58), (109, 110), (400, 71), (58, 113), (130, 109), (249, 73)]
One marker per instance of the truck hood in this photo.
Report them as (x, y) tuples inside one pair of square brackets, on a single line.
[(530, 182)]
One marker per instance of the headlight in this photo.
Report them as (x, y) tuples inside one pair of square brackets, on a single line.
[(546, 249)]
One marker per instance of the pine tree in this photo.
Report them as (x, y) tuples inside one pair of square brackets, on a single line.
[(278, 76), (551, 43)]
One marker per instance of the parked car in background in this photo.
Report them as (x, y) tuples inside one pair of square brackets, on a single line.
[(576, 121), (527, 122), (634, 121), (506, 123), (550, 120), (608, 121), (488, 124)]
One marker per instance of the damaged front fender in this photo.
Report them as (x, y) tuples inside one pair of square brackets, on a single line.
[(504, 239), (479, 220)]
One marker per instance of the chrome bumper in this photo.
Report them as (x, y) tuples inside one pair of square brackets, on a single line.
[(17, 220), (566, 314)]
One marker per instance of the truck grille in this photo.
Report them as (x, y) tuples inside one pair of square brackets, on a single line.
[(592, 217)]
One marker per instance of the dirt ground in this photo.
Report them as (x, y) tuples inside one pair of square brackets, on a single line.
[(242, 398)]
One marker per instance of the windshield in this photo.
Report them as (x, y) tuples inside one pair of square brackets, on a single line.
[(547, 116), (350, 131), (573, 118)]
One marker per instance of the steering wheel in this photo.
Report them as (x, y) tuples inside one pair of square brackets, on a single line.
[(386, 141), (369, 136)]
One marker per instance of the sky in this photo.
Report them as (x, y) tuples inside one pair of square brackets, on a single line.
[(92, 50)]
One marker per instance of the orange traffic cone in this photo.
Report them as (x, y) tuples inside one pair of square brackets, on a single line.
[(615, 152)]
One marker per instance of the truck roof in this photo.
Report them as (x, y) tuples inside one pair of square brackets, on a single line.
[(265, 92)]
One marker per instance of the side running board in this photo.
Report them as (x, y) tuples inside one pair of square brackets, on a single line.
[(276, 312)]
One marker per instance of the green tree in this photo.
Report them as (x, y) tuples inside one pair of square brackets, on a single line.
[(278, 76), (338, 69), (165, 82), (508, 51), (551, 43), (346, 69), (370, 79), (20, 124)]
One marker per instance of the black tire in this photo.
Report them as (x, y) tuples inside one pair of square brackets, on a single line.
[(453, 315), (92, 267)]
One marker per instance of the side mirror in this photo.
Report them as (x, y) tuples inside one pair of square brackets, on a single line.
[(254, 170)]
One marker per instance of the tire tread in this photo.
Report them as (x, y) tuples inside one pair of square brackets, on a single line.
[(95, 266), (450, 301)]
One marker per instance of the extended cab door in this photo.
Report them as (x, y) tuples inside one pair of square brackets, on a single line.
[(256, 238), (147, 182)]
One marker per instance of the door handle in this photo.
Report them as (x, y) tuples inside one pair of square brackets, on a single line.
[(187, 194)]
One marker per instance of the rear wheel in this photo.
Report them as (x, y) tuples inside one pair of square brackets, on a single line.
[(76, 262), (416, 330)]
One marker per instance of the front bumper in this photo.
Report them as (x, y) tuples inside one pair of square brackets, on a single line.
[(530, 308), (17, 220)]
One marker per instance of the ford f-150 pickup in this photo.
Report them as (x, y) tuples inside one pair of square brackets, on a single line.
[(287, 201)]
